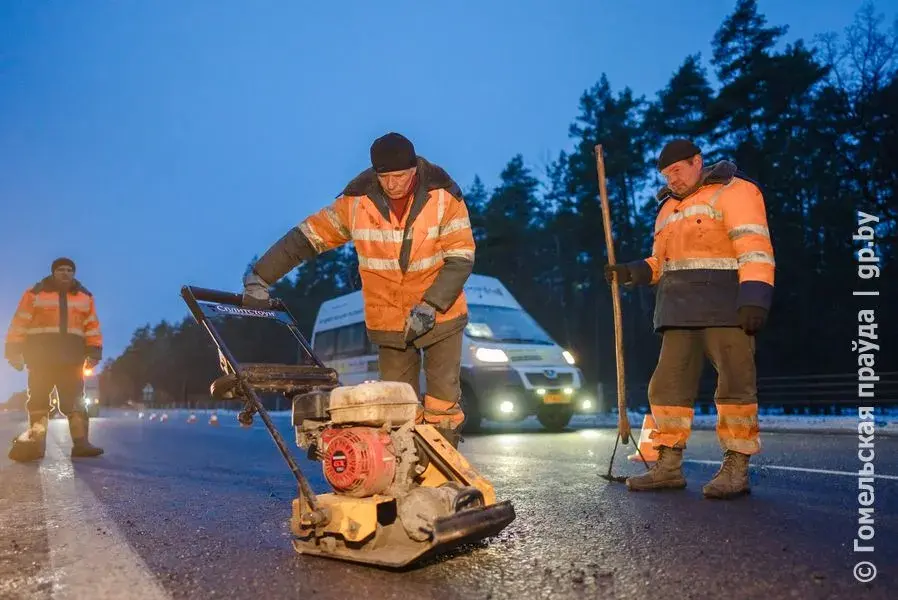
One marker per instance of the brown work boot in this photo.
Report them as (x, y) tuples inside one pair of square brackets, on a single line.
[(78, 427), (448, 427), (32, 443), (731, 479), (452, 435), (666, 473)]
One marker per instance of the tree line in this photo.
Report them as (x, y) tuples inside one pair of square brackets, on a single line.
[(815, 124)]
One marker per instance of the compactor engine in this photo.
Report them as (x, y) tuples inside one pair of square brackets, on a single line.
[(370, 446)]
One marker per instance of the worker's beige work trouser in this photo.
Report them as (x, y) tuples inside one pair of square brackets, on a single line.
[(442, 366), (675, 383)]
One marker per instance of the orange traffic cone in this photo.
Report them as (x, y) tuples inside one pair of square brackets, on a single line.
[(163, 418), (213, 420), (645, 442), (191, 418)]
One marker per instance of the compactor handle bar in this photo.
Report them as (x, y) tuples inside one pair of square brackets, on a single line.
[(220, 297), (192, 295), (253, 404)]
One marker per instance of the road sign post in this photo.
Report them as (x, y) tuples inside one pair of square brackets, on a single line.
[(148, 394)]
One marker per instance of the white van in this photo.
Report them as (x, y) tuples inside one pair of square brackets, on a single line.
[(510, 368)]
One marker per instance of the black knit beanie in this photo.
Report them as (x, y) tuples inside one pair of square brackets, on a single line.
[(675, 151), (59, 262), (392, 152)]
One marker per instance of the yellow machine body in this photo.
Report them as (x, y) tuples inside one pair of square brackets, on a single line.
[(367, 530)]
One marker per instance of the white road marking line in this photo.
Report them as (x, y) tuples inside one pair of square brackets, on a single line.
[(486, 458), (801, 469), (89, 556)]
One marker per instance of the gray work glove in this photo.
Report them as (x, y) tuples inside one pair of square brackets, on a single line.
[(255, 292), (420, 320)]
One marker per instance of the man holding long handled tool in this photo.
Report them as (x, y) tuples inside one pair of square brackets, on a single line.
[(712, 262)]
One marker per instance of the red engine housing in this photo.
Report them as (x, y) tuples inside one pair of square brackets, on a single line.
[(359, 461)]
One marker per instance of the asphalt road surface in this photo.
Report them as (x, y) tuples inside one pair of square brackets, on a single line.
[(178, 510)]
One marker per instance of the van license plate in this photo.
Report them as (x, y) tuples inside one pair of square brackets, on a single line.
[(554, 399)]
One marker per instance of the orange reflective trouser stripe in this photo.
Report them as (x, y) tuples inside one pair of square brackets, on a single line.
[(441, 413), (675, 382), (737, 427), (673, 424)]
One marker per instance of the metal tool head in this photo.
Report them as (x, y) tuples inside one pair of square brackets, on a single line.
[(620, 478)]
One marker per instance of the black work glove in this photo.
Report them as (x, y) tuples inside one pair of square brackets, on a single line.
[(752, 319), (420, 320), (624, 275)]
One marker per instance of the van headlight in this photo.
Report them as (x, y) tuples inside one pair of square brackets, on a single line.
[(491, 355), (568, 357)]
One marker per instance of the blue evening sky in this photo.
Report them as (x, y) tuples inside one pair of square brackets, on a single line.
[(167, 142)]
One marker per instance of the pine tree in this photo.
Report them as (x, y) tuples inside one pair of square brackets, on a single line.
[(508, 222), (681, 108), (476, 199)]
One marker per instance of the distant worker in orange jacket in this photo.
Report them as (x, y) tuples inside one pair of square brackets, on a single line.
[(410, 227), (712, 262), (56, 333)]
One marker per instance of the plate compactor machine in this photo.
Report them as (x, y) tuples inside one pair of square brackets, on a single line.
[(401, 492)]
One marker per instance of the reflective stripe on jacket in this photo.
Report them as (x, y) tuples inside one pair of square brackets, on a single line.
[(711, 253), (426, 256), (51, 327)]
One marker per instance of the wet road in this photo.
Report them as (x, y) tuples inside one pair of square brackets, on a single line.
[(178, 510)]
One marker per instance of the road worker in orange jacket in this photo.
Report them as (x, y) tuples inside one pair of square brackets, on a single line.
[(408, 222), (712, 263), (55, 332)]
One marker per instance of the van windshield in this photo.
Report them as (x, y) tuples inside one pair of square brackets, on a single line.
[(506, 325)]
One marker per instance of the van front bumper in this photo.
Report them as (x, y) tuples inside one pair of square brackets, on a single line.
[(513, 393)]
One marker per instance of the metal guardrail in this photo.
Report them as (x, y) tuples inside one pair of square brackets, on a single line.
[(824, 393)]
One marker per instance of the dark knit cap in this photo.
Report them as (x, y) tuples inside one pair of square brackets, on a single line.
[(675, 151), (59, 262), (392, 152)]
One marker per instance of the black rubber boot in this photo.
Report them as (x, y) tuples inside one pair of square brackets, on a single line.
[(32, 443), (81, 447)]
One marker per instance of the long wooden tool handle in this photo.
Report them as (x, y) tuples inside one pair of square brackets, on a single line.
[(623, 422)]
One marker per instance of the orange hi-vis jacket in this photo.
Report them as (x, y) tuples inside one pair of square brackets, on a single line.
[(55, 328), (711, 254), (426, 256)]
